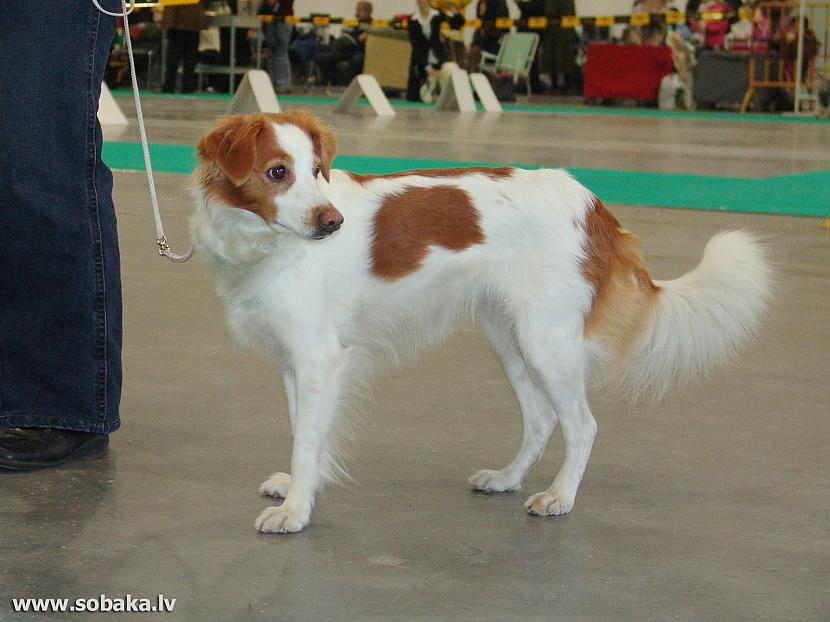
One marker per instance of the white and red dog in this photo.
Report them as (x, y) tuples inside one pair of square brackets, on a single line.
[(331, 272)]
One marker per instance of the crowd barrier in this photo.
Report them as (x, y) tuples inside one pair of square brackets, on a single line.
[(792, 56), (506, 23)]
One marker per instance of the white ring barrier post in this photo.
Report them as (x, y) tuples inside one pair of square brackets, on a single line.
[(365, 85), (485, 92), (109, 114), (255, 94), (456, 93)]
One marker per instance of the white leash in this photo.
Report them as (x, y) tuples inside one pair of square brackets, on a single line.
[(161, 239)]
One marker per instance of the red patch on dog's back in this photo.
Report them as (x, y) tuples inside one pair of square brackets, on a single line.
[(409, 222)]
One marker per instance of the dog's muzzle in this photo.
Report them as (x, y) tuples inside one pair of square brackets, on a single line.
[(326, 219)]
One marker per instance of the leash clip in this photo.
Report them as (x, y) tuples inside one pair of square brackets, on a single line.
[(164, 247)]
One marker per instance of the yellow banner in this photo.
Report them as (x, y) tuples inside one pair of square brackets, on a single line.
[(604, 20), (173, 2), (321, 20), (537, 22), (675, 17), (380, 22), (473, 23), (350, 21), (504, 22), (745, 13), (569, 21), (712, 16), (639, 19), (292, 19)]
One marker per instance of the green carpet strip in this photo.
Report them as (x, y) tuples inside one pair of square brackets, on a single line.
[(298, 100), (803, 194)]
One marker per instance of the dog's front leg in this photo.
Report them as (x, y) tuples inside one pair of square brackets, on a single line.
[(317, 389)]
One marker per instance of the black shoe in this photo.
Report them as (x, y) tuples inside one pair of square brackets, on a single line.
[(23, 449)]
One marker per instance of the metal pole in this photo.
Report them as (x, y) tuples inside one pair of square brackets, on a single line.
[(799, 61), (232, 74)]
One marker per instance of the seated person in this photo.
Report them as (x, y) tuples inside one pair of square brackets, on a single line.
[(428, 51), (340, 62)]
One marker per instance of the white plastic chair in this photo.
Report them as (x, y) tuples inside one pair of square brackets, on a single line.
[(516, 54)]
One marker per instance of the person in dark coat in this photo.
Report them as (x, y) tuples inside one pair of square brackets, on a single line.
[(343, 60), (487, 37), (528, 9), (182, 24), (428, 51)]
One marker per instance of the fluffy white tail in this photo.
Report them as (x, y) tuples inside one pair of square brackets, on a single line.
[(701, 318)]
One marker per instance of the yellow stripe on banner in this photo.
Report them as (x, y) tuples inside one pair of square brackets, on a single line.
[(569, 21), (380, 22), (675, 17), (445, 25), (321, 20), (712, 16), (350, 21), (174, 2), (504, 22), (292, 19), (537, 22), (604, 20), (472, 23), (639, 19), (745, 13)]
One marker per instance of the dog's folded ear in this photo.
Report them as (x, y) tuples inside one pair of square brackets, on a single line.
[(323, 139), (232, 146)]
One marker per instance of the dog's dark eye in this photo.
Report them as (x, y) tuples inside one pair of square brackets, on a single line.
[(317, 171), (277, 173)]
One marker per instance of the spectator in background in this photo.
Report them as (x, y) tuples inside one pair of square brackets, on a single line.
[(343, 59), (277, 39), (655, 31), (711, 33), (559, 47), (486, 38), (528, 9), (428, 51), (182, 24)]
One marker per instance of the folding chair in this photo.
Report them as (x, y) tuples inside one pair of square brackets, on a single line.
[(515, 55)]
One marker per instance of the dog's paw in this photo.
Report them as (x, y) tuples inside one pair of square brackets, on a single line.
[(276, 485), (493, 481), (281, 519), (549, 503)]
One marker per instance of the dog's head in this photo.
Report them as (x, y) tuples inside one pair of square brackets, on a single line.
[(269, 164)]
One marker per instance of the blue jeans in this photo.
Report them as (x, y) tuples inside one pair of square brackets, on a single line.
[(277, 40), (60, 287)]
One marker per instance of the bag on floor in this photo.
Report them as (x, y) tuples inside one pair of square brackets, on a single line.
[(503, 87)]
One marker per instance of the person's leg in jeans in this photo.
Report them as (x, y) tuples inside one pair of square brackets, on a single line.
[(60, 285), (278, 37)]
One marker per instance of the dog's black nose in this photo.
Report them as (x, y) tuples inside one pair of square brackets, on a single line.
[(329, 220)]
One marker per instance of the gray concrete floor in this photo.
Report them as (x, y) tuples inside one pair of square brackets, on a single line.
[(711, 505)]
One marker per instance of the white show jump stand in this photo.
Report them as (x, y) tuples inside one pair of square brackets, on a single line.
[(109, 114), (255, 94), (365, 85), (485, 93), (456, 93)]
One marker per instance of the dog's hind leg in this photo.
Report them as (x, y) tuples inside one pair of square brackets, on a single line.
[(555, 352), (538, 417)]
